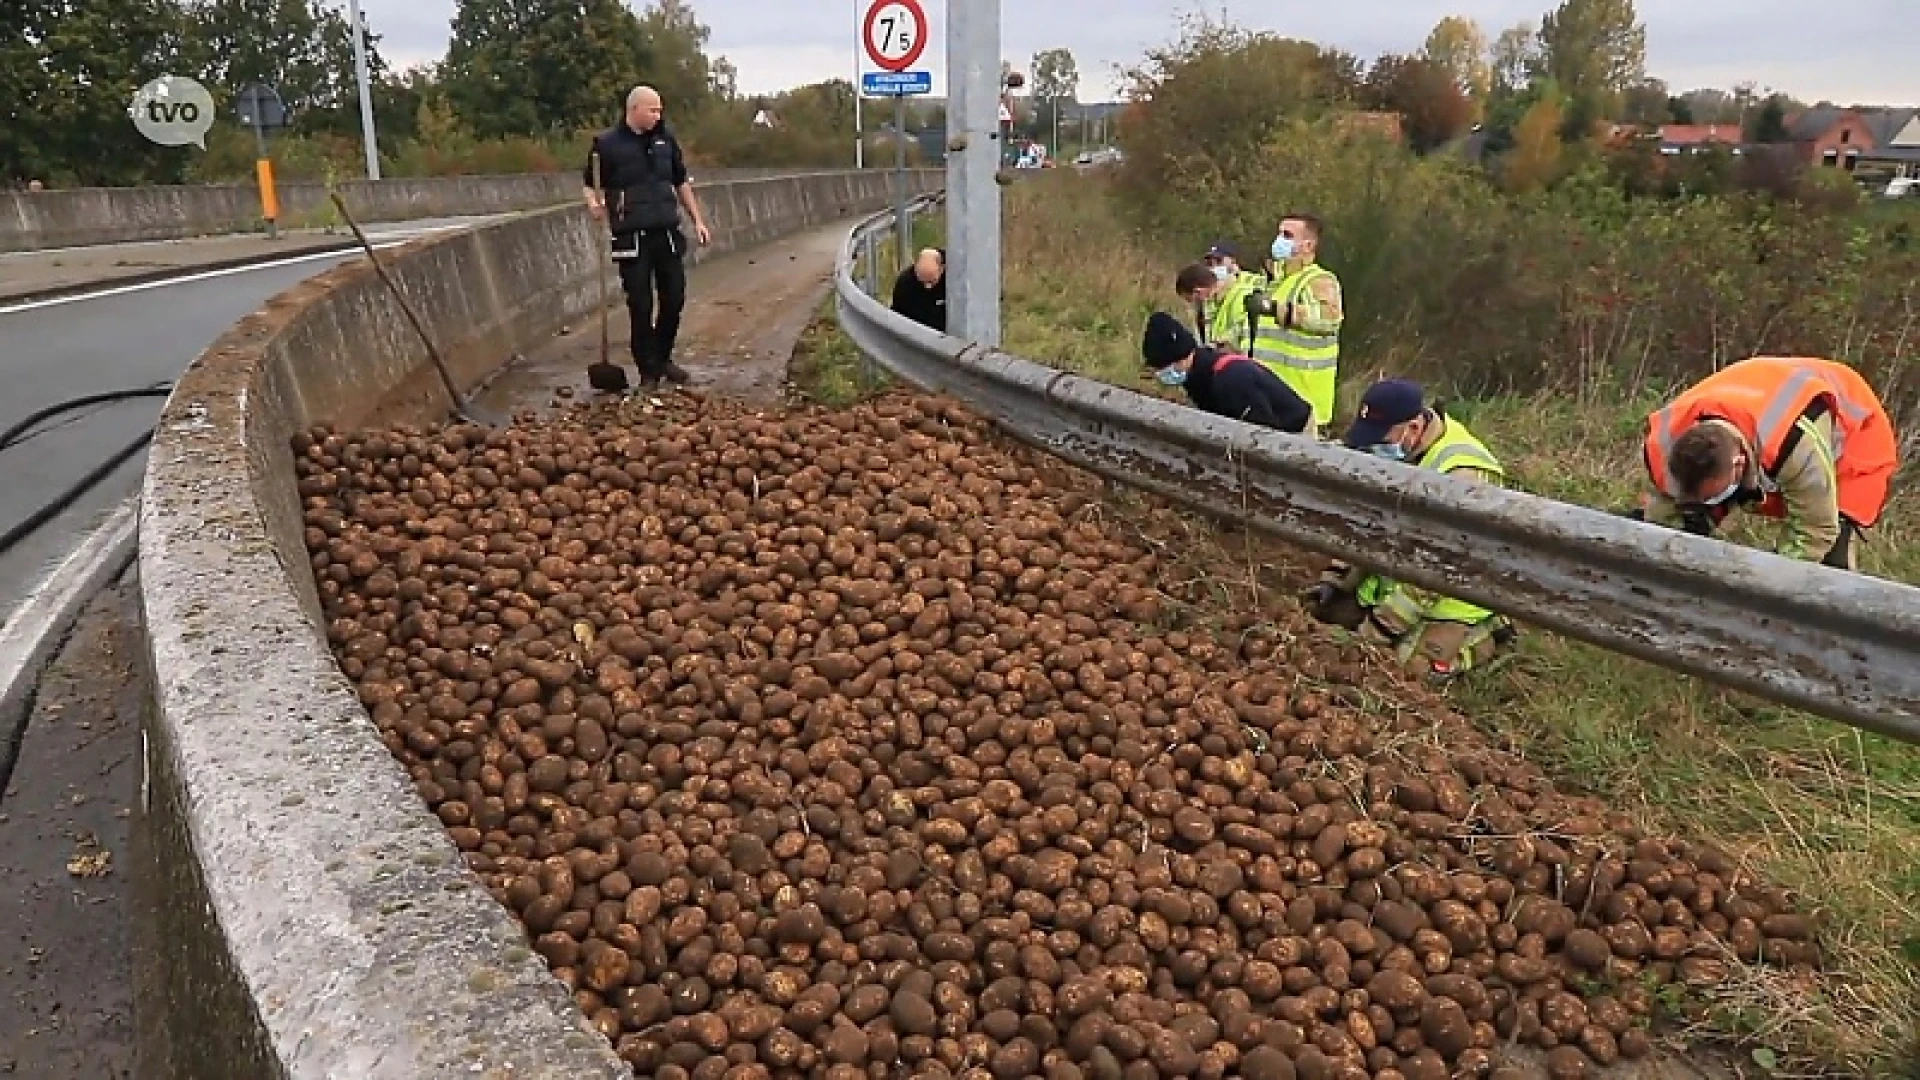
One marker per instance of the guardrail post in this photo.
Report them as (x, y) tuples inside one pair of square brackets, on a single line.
[(870, 251)]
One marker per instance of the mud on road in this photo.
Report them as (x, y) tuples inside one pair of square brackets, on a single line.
[(66, 822)]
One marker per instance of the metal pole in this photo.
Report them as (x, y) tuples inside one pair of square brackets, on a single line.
[(902, 225), (859, 135), (973, 194), (366, 90)]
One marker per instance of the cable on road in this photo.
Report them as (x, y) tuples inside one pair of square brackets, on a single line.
[(18, 432), (22, 431)]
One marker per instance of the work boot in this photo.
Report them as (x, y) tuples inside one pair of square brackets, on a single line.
[(673, 373)]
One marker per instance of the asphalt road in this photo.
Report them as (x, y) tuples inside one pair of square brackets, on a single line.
[(114, 338)]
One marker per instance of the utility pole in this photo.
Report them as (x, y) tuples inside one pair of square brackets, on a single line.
[(366, 90), (859, 132), (973, 162)]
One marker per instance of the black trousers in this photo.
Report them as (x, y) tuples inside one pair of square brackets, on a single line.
[(657, 260)]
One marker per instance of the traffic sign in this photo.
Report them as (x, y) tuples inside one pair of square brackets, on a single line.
[(896, 83), (894, 33)]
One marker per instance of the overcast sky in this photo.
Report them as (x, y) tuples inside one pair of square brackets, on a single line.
[(1843, 50)]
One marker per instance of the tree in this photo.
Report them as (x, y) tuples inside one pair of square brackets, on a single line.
[(91, 59), (523, 67), (1595, 50), (304, 51), (1340, 77), (1218, 95), (677, 42), (1534, 161), (1457, 48), (1434, 109), (1711, 106), (1514, 60), (1054, 87), (1647, 102), (1770, 124)]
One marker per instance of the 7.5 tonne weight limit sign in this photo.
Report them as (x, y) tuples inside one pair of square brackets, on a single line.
[(895, 33)]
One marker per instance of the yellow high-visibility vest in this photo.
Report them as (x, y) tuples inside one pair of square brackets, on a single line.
[(1456, 448), (1309, 363)]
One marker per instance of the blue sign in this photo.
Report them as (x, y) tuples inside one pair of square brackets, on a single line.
[(896, 83)]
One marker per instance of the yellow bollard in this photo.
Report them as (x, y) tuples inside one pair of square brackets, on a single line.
[(269, 199)]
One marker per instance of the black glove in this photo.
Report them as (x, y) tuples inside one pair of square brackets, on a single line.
[(1697, 521), (1320, 595)]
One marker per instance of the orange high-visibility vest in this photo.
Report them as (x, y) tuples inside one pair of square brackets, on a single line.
[(1764, 396)]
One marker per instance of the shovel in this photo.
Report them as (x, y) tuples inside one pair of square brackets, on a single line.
[(461, 407), (605, 376)]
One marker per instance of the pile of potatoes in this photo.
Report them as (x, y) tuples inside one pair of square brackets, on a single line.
[(847, 744)]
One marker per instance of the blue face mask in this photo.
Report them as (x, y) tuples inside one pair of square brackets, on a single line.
[(1170, 376), (1392, 451), (1282, 248), (1222, 272)]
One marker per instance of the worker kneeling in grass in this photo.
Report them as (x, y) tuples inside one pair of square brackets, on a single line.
[(1436, 634), (1220, 382), (1797, 438)]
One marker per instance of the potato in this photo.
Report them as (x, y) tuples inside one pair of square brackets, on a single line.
[(834, 743)]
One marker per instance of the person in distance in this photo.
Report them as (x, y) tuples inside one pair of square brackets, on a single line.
[(920, 292)]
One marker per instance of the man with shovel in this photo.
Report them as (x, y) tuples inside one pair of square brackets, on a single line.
[(636, 181)]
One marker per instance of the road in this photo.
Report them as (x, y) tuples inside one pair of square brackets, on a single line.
[(114, 338)]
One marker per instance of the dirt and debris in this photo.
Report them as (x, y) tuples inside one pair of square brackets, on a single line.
[(66, 968)]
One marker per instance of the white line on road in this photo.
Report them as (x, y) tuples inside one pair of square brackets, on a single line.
[(34, 630), (380, 243)]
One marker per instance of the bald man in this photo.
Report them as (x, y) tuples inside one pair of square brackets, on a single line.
[(643, 186), (920, 292)]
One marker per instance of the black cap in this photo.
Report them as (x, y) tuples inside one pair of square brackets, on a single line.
[(1386, 405), (1166, 341), (1223, 250)]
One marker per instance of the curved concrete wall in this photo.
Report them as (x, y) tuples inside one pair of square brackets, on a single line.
[(304, 915), (33, 220)]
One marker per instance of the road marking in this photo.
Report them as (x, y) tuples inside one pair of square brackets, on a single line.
[(385, 240), (34, 630)]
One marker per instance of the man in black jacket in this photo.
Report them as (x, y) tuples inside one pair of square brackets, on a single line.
[(643, 185), (1219, 382), (920, 292)]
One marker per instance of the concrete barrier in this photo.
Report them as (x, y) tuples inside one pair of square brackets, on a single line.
[(303, 914), (35, 220)]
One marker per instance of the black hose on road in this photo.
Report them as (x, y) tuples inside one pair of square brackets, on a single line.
[(22, 431)]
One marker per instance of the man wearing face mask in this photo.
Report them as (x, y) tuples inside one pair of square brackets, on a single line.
[(1227, 325), (1219, 306), (1439, 635), (1220, 382), (1797, 438), (1296, 328)]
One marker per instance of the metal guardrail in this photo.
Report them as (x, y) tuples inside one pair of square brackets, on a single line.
[(1838, 644)]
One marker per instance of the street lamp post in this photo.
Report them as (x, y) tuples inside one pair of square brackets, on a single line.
[(366, 90)]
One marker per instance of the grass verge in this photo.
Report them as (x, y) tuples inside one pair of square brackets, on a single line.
[(1822, 809)]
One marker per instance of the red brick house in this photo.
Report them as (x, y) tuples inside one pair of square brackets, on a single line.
[(1830, 137)]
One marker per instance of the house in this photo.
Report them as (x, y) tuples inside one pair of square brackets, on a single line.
[(1384, 124), (1699, 138), (1896, 141), (1830, 136)]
